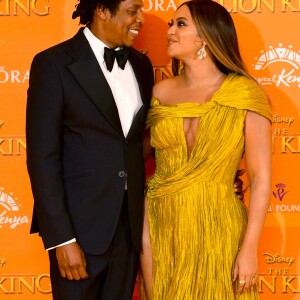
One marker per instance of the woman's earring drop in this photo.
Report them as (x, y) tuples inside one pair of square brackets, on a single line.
[(202, 52)]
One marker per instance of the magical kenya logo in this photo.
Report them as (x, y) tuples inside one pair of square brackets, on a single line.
[(10, 211), (282, 64)]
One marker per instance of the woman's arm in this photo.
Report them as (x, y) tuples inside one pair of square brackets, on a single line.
[(258, 160)]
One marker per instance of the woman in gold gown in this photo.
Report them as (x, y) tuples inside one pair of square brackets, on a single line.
[(203, 240)]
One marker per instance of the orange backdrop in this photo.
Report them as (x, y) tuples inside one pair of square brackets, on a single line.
[(268, 32)]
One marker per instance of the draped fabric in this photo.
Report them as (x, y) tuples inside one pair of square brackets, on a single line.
[(196, 221)]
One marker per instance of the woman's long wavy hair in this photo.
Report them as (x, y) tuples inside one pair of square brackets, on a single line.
[(215, 26), (85, 9)]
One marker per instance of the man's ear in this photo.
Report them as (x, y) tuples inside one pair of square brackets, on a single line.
[(102, 12)]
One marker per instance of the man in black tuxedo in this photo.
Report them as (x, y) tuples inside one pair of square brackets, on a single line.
[(86, 111)]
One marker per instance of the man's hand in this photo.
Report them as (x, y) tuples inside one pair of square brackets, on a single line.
[(71, 262), (238, 184)]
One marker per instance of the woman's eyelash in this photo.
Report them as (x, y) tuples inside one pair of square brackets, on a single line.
[(170, 24)]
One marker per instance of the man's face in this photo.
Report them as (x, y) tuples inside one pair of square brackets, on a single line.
[(122, 28)]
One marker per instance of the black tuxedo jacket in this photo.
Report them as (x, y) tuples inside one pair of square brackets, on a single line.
[(77, 156)]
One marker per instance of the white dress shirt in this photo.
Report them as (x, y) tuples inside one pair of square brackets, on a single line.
[(123, 85)]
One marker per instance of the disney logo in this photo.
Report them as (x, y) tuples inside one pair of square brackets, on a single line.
[(278, 119), (271, 259), (2, 262)]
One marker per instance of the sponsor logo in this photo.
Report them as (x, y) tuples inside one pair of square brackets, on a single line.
[(277, 277), (23, 283), (277, 118), (285, 140), (13, 76), (276, 258), (2, 262), (159, 5), (260, 6), (233, 6), (10, 212), (279, 193), (282, 62), (9, 145), (17, 7)]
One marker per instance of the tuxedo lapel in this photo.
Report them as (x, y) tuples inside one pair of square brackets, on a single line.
[(90, 77), (139, 119), (138, 68)]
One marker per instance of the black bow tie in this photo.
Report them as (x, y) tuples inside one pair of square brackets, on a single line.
[(120, 55)]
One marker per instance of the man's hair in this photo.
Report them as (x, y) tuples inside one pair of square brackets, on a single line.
[(85, 9)]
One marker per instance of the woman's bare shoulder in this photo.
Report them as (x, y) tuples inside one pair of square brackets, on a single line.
[(164, 89)]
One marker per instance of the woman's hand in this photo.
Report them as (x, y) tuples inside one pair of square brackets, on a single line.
[(245, 270)]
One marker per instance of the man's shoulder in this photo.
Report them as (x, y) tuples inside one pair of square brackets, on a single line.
[(53, 49), (62, 46), (141, 56)]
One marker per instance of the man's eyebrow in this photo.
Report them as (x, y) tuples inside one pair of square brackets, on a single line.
[(135, 6)]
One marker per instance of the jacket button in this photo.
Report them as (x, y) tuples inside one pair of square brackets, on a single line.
[(122, 173)]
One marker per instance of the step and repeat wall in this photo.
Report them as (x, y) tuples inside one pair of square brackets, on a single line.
[(268, 32)]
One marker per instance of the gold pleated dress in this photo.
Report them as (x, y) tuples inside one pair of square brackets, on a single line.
[(196, 220)]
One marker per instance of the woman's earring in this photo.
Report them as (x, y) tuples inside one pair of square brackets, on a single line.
[(202, 52)]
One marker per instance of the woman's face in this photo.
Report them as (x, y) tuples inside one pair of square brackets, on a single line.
[(183, 39)]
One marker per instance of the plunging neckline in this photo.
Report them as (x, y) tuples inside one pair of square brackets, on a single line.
[(210, 103)]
